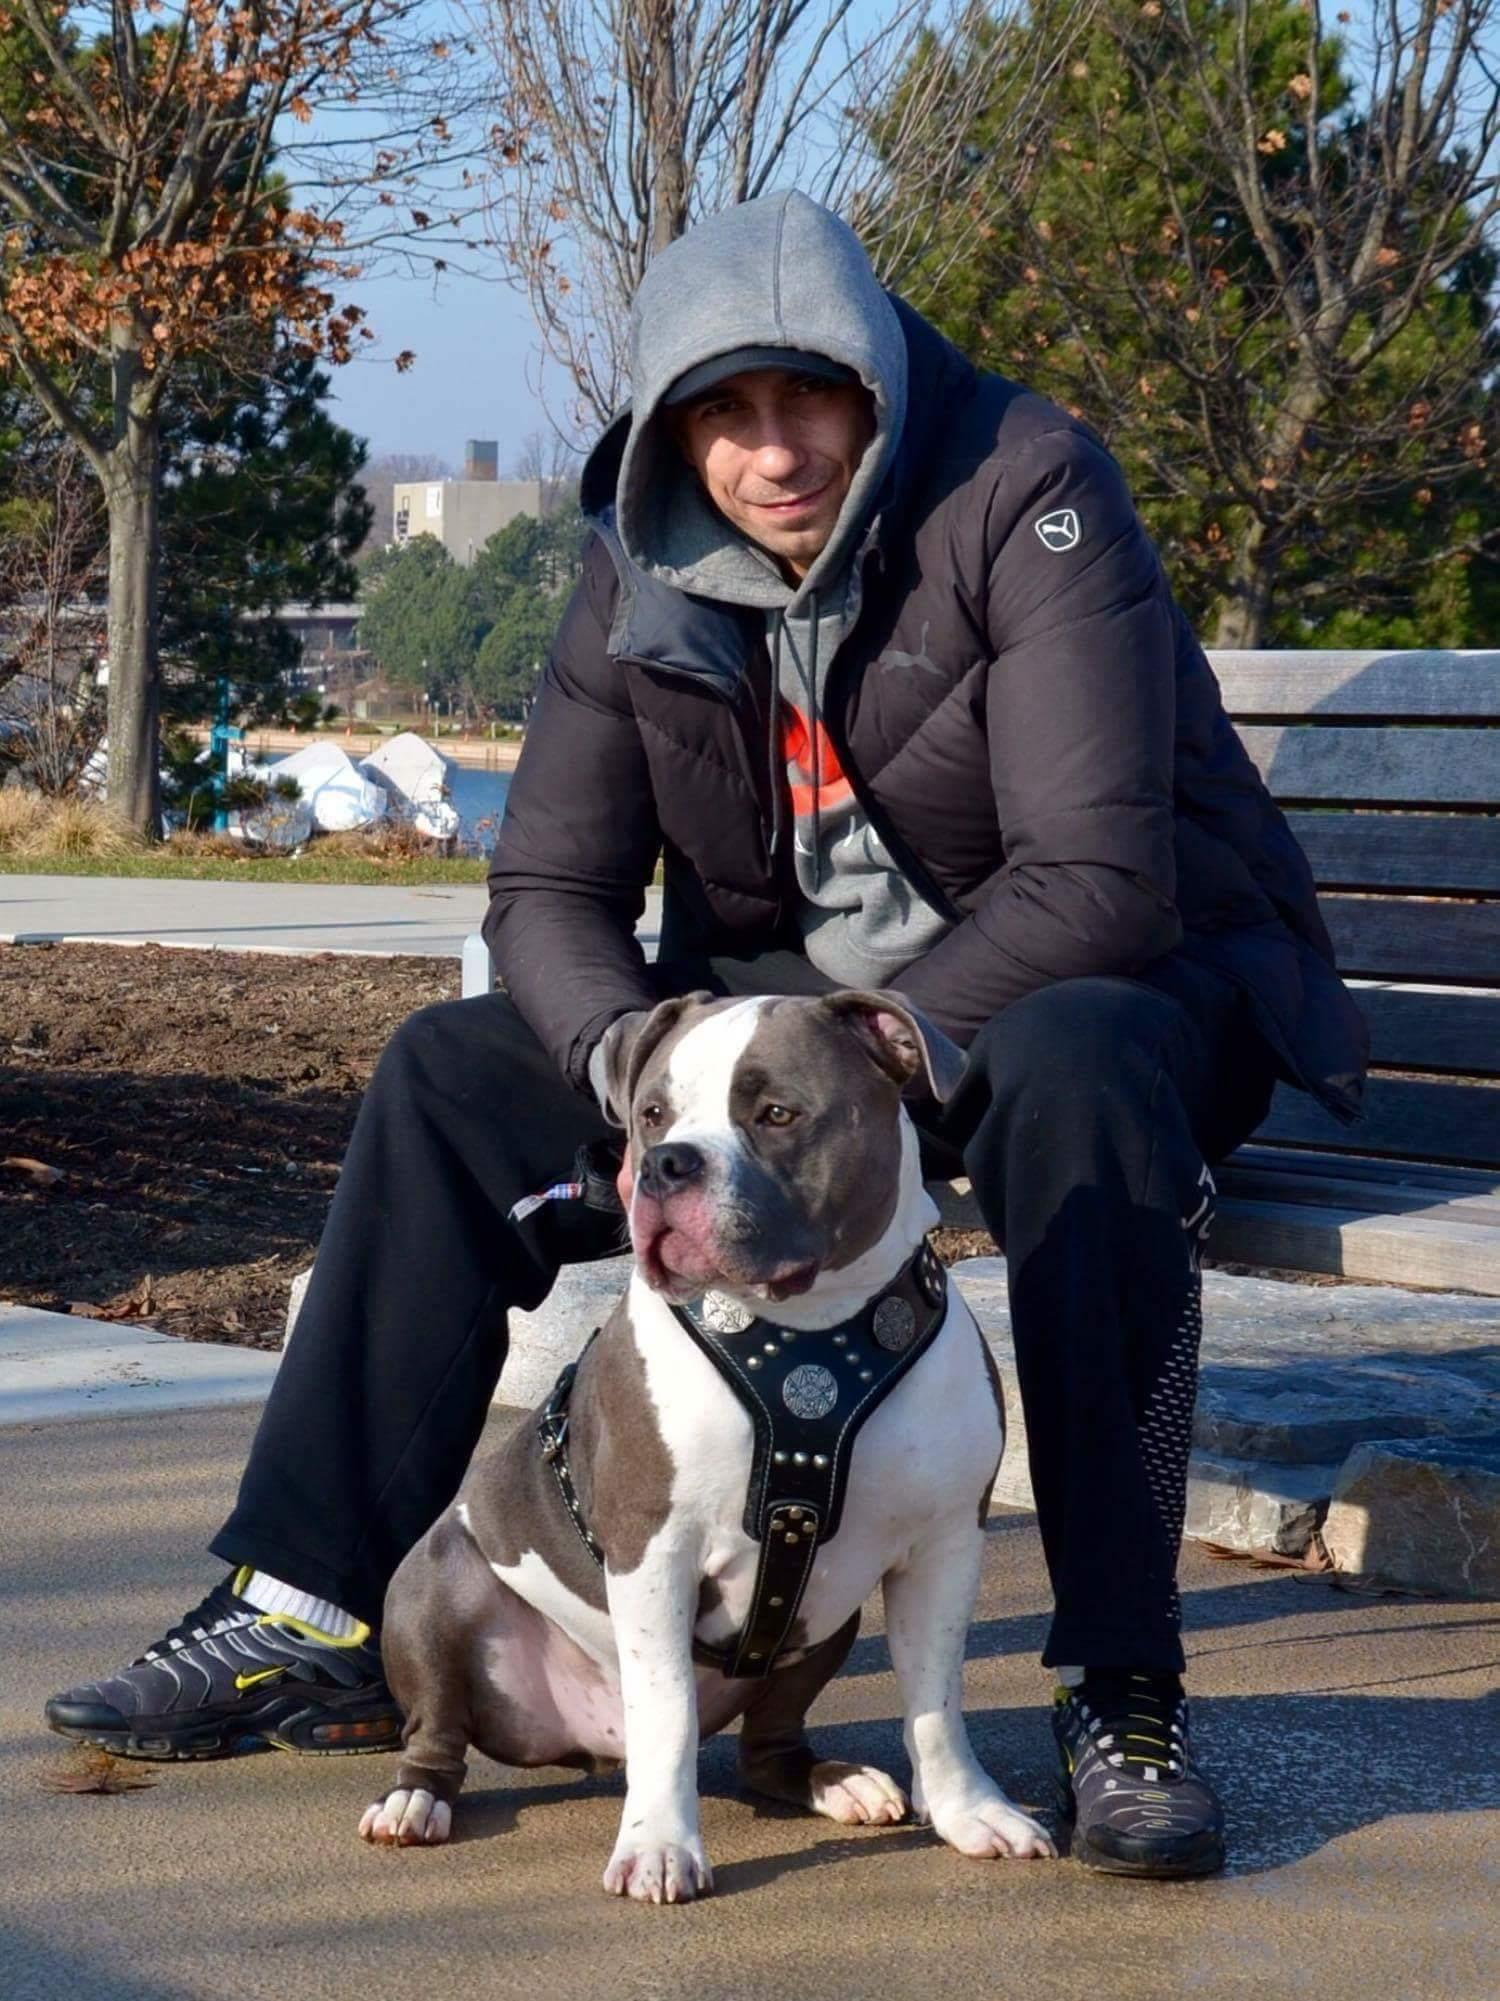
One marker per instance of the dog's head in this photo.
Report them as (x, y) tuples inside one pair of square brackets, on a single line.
[(765, 1134)]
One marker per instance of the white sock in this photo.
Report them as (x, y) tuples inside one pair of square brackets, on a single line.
[(1069, 1677), (269, 1594)]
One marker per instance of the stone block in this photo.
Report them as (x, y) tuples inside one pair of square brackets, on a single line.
[(1293, 1376), (1420, 1516), (1298, 1375), (544, 1342), (1247, 1505)]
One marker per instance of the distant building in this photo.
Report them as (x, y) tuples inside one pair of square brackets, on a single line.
[(464, 513), (329, 638)]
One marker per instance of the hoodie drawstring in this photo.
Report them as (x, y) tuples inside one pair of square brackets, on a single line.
[(815, 737)]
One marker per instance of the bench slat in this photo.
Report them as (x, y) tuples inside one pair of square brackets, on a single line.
[(1405, 1116), (1376, 1198), (1458, 685), (1395, 851), (1298, 1162), (1432, 1028), (1381, 936), (1394, 1250), (1393, 767)]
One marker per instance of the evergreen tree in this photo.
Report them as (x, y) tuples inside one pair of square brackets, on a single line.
[(260, 508), (1283, 329)]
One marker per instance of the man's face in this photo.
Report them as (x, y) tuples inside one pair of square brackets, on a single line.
[(776, 452)]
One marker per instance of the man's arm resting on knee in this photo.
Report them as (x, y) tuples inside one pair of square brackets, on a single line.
[(1081, 715), (578, 845)]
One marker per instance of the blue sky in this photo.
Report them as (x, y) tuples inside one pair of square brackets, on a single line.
[(477, 361), (478, 356)]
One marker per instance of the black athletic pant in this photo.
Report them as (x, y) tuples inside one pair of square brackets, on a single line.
[(1085, 1121)]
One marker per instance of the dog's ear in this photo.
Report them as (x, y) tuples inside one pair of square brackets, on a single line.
[(899, 1039), (621, 1056)]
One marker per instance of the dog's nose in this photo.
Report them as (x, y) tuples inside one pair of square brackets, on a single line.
[(667, 1170)]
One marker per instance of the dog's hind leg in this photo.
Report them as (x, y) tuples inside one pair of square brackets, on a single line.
[(777, 1760)]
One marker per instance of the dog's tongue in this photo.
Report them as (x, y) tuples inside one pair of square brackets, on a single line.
[(787, 1284)]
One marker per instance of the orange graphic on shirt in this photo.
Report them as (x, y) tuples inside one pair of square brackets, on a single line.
[(813, 768)]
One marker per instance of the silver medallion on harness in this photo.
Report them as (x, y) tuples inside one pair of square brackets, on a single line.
[(894, 1325), (810, 1391), (725, 1316)]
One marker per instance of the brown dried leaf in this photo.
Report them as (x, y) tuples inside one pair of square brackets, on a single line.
[(35, 1170), (94, 1771)]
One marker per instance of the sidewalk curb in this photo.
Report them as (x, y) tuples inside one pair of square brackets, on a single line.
[(59, 1365)]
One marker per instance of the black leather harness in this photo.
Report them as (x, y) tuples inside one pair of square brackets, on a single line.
[(807, 1394)]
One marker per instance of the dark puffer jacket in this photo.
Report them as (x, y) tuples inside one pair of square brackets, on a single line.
[(1033, 729)]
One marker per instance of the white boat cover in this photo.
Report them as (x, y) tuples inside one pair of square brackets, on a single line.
[(340, 796), (417, 780)]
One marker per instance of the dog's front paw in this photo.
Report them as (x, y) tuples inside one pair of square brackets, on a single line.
[(405, 1819), (659, 1872), (856, 1795), (991, 1826)]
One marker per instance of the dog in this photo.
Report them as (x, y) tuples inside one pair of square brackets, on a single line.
[(788, 1407)]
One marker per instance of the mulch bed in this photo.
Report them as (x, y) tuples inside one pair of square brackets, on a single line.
[(172, 1123), (179, 1118)]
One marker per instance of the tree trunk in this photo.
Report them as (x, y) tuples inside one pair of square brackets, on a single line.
[(1246, 612), (133, 499)]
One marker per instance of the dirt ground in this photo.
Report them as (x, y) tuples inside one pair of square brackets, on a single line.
[(180, 1118), (171, 1125)]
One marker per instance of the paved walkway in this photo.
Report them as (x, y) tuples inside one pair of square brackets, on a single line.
[(1353, 1738), (250, 916)]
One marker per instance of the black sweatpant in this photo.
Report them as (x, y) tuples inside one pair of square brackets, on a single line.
[(1085, 1121)]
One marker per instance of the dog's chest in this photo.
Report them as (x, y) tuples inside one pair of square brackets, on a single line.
[(928, 1451)]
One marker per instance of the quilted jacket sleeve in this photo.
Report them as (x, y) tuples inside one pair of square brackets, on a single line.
[(1080, 717), (578, 845)]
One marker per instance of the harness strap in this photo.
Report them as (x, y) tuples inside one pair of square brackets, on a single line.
[(808, 1395)]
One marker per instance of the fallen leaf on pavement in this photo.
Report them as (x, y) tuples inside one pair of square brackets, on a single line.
[(96, 1771), (37, 1170)]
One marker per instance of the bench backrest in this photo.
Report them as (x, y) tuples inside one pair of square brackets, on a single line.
[(1388, 768)]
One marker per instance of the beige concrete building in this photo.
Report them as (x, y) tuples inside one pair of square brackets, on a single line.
[(462, 514)]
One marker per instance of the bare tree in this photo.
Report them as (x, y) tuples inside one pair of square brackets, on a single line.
[(52, 571), (552, 461), (143, 219), (620, 122)]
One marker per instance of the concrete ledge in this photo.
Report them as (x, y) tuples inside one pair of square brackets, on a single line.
[(1293, 1378), (55, 1365)]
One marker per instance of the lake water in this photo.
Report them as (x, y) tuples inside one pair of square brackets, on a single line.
[(479, 796)]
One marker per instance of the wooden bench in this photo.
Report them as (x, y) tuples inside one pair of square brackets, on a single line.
[(1388, 768)]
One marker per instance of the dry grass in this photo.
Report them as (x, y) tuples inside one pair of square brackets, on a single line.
[(390, 839), (39, 828)]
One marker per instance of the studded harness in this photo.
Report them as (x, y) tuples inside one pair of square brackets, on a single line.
[(808, 1394)]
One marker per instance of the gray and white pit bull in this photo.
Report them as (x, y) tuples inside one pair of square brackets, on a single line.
[(774, 1164)]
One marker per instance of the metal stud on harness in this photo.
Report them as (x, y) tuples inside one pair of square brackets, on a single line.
[(808, 1394)]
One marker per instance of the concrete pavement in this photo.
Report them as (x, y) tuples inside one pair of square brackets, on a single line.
[(1354, 1740), (251, 916), (64, 1365)]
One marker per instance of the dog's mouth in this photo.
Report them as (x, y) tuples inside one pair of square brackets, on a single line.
[(682, 1267)]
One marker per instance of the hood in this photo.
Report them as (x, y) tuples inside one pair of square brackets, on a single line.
[(781, 272)]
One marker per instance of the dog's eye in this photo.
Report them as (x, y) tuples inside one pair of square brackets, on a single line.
[(777, 1115), (651, 1115)]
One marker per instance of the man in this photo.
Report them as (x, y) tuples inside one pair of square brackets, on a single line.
[(872, 652)]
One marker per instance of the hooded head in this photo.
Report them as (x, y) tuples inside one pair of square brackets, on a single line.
[(777, 281)]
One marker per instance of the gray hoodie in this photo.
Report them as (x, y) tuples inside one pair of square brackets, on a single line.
[(781, 272)]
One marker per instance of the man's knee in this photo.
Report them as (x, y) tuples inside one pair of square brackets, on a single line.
[(1075, 1035), (440, 1047)]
